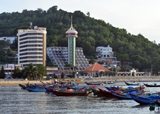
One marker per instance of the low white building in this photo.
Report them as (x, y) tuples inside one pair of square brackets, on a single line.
[(105, 55), (10, 40)]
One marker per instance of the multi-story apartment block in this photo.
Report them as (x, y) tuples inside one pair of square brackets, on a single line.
[(32, 46), (59, 58)]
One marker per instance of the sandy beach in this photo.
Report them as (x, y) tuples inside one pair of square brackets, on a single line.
[(82, 80)]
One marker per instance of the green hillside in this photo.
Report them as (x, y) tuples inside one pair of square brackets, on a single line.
[(92, 33)]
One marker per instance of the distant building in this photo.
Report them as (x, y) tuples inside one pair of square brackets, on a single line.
[(32, 46), (16, 58), (10, 40), (59, 58), (105, 55), (9, 68), (52, 72)]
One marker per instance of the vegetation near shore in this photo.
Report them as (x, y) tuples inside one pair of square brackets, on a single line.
[(30, 72), (135, 49)]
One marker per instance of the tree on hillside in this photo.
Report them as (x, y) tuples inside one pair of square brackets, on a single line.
[(3, 44), (3, 51), (91, 34), (15, 44), (88, 14)]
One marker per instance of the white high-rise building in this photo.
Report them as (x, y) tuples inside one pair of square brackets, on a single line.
[(32, 46)]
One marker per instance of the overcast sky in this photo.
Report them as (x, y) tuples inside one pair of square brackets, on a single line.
[(136, 16)]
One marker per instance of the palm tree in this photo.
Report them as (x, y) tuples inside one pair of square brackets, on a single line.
[(41, 71), (29, 72)]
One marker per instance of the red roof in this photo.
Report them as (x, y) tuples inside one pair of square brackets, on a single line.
[(95, 67)]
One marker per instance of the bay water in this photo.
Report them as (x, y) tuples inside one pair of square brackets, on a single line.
[(14, 100)]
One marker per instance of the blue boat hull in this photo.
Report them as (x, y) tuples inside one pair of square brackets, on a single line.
[(143, 100), (36, 89), (123, 95)]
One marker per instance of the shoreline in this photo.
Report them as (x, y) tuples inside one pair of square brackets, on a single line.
[(82, 80)]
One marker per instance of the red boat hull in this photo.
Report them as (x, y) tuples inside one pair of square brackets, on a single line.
[(105, 93)]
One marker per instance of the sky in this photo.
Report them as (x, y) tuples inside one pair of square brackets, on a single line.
[(136, 16)]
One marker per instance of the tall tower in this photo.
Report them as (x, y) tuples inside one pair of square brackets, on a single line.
[(71, 34)]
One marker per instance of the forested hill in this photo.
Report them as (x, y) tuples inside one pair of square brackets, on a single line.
[(92, 33)]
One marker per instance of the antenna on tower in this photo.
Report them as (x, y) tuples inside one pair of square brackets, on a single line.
[(30, 24), (71, 23)]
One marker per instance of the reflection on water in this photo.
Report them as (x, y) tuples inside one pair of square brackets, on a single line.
[(14, 100)]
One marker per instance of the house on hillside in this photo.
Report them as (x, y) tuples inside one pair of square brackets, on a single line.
[(10, 40), (105, 55)]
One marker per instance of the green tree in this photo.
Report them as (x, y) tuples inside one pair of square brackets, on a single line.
[(2, 74), (92, 33), (15, 44), (41, 71), (17, 73), (30, 72), (62, 75), (88, 14), (9, 52)]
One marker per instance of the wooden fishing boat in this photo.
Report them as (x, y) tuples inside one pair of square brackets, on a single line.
[(140, 99), (36, 89), (122, 95), (112, 88), (105, 93), (145, 99), (94, 83), (157, 102), (70, 93), (47, 88), (22, 86), (131, 83), (111, 82), (152, 85), (125, 93), (125, 90), (96, 92)]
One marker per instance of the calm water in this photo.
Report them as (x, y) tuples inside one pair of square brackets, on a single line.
[(14, 100)]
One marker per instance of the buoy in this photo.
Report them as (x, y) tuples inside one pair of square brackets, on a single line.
[(151, 108)]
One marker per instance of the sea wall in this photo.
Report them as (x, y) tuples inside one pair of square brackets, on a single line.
[(82, 80)]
